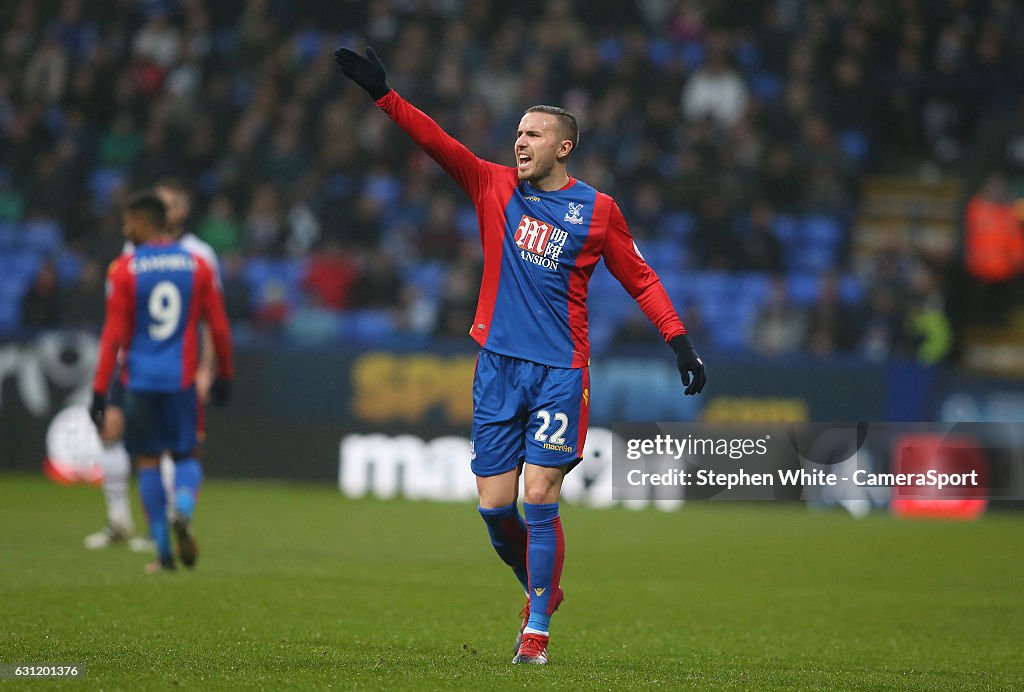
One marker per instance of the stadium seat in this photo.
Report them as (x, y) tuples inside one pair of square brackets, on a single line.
[(10, 234), (786, 229), (766, 86), (822, 230), (693, 54), (748, 55), (809, 257), (372, 325), (856, 145), (427, 277), (851, 289), (69, 266), (465, 220), (659, 52), (678, 225), (102, 184), (42, 236), (802, 287)]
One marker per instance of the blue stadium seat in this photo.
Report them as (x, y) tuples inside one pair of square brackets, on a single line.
[(12, 290), (766, 86), (851, 289), (10, 234), (679, 224), (465, 220), (428, 277), (659, 52), (822, 230), (611, 50), (372, 325), (802, 287), (693, 54), (748, 55), (42, 236), (753, 286), (786, 229), (856, 145), (809, 257), (714, 284), (102, 184), (69, 266)]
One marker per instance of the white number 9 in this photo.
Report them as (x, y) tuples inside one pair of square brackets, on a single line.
[(165, 309)]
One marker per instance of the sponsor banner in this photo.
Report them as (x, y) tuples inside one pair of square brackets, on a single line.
[(918, 467)]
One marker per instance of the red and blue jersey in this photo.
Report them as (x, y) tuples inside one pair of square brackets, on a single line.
[(540, 249), (156, 296)]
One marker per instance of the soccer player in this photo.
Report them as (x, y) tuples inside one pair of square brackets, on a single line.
[(113, 457), (543, 232), (156, 296)]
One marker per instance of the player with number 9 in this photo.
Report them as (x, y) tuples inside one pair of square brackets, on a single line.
[(156, 296)]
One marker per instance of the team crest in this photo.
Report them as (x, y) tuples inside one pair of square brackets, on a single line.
[(573, 215)]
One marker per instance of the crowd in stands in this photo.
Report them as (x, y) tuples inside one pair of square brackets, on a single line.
[(734, 136)]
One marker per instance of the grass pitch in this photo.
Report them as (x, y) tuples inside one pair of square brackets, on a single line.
[(299, 588)]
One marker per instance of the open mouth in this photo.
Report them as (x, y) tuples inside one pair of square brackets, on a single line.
[(523, 160)]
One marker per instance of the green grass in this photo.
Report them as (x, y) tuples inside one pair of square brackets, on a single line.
[(299, 588)]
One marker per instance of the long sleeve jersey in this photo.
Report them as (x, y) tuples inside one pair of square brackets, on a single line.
[(156, 296), (540, 250)]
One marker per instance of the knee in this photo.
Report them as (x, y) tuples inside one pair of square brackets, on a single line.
[(540, 493)]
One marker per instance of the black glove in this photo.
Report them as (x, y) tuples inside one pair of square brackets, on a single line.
[(367, 73), (97, 409), (688, 361), (220, 391)]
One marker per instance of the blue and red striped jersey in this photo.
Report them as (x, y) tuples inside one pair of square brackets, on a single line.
[(156, 296), (540, 250)]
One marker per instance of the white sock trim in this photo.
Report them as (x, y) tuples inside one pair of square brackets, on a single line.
[(530, 630)]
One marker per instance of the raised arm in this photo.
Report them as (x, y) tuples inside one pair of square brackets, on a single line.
[(626, 264), (452, 155)]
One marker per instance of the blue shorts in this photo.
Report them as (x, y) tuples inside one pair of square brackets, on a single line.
[(158, 422), (525, 411)]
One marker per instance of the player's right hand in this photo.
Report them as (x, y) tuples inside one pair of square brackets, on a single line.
[(220, 391), (367, 72), (97, 409)]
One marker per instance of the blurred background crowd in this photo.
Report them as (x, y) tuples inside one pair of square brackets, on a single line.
[(746, 142)]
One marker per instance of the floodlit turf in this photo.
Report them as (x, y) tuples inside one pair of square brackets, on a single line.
[(299, 588)]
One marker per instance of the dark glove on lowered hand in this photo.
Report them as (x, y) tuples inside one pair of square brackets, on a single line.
[(689, 362), (97, 409), (367, 72), (220, 392)]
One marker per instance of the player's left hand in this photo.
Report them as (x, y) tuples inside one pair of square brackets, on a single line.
[(367, 72), (220, 391), (98, 409), (689, 362)]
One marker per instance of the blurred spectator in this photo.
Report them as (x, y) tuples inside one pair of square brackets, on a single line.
[(458, 300), (761, 250), (377, 285), (715, 240), (884, 333), (82, 302), (715, 90), (40, 308), (330, 277), (237, 299), (780, 328), (832, 326), (220, 227), (994, 250)]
